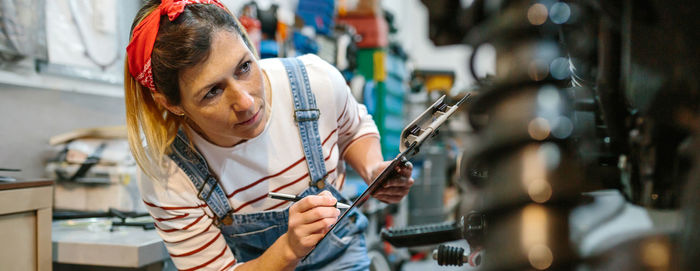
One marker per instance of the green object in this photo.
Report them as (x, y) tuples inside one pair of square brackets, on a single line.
[(389, 74), (365, 62)]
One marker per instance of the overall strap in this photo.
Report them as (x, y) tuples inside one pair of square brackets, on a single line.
[(306, 116), (194, 165)]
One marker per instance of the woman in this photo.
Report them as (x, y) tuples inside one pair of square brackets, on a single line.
[(217, 130)]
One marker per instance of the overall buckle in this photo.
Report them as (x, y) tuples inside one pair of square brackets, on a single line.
[(226, 220), (201, 188), (321, 183), (306, 114)]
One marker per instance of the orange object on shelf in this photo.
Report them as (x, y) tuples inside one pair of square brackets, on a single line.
[(359, 7), (282, 31)]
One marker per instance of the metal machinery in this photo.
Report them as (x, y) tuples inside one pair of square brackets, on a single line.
[(587, 95)]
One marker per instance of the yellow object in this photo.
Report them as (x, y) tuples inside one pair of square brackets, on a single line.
[(435, 80), (126, 179), (439, 82), (379, 70), (342, 9)]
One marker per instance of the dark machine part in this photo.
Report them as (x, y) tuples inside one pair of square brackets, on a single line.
[(646, 93), (689, 246), (650, 46), (587, 94), (421, 235), (449, 21), (525, 138), (474, 229), (470, 228), (118, 217), (449, 256), (268, 20)]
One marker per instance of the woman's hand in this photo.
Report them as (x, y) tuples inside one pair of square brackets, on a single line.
[(365, 156), (309, 220), (398, 184)]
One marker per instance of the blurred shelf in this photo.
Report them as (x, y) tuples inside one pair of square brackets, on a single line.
[(24, 75)]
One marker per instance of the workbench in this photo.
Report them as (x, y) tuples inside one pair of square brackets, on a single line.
[(88, 244), (25, 225)]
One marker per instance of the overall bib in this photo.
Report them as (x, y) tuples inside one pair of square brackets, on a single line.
[(249, 235)]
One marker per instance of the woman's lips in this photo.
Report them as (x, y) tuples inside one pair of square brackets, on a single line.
[(250, 121)]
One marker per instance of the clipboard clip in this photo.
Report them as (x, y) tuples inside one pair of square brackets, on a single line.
[(426, 124)]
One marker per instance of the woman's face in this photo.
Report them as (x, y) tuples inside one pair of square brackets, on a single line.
[(225, 96)]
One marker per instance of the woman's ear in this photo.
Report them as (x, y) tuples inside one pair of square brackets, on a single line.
[(163, 101)]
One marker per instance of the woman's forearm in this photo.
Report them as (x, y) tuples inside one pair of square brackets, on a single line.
[(364, 156)]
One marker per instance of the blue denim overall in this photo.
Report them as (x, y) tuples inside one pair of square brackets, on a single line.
[(249, 235)]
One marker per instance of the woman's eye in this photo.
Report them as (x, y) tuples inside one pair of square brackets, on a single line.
[(244, 68), (212, 93)]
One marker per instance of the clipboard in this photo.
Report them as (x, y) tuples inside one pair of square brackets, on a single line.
[(412, 137)]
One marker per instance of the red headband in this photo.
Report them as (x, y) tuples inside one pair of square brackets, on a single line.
[(141, 46)]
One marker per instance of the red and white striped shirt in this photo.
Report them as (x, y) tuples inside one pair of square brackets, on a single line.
[(271, 162)]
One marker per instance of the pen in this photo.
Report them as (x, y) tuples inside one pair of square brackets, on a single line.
[(294, 198)]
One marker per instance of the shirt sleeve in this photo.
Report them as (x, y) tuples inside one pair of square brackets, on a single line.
[(354, 122), (186, 224)]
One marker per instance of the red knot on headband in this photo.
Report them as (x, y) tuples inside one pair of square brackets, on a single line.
[(144, 36)]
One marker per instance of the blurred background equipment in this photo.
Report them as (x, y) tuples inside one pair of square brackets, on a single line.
[(94, 171), (22, 30), (584, 140)]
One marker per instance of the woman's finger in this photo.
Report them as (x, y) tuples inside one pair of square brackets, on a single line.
[(319, 226), (392, 191), (405, 169), (315, 214), (389, 199), (399, 182), (312, 201)]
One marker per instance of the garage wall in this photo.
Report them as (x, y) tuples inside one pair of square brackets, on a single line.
[(29, 117)]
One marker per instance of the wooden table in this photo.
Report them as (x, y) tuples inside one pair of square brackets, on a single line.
[(25, 225)]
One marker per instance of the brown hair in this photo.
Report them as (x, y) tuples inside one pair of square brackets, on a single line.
[(182, 43)]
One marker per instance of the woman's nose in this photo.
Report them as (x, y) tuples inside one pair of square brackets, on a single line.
[(241, 100)]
